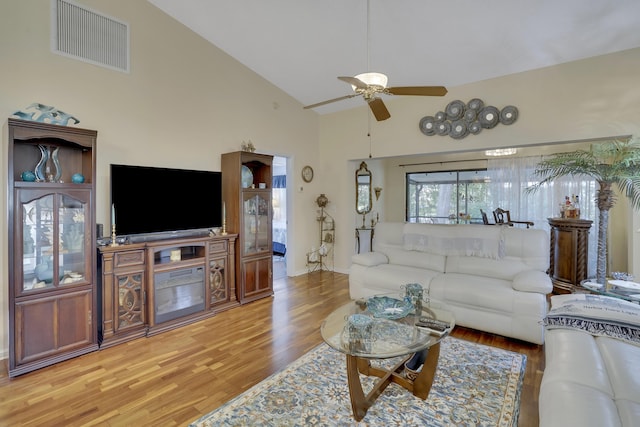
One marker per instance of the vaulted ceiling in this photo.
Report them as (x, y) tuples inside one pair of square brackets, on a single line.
[(301, 46)]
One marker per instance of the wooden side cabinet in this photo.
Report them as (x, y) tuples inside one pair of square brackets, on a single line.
[(568, 264), (246, 191), (123, 285), (52, 273), (222, 274)]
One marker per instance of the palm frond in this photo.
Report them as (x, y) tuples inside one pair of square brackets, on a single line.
[(611, 161), (630, 187)]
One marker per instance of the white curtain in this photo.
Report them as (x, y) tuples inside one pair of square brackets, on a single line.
[(510, 176)]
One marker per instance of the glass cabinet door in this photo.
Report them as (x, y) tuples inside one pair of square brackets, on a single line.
[(54, 232), (256, 214)]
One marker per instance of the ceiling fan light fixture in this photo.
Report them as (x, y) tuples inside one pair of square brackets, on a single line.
[(372, 79)]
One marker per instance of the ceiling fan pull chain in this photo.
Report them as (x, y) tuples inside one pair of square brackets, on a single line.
[(368, 35)]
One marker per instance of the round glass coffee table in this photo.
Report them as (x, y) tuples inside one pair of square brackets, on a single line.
[(393, 333)]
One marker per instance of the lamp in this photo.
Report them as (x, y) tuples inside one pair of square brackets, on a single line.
[(372, 79)]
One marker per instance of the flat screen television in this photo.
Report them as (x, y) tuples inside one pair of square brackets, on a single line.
[(148, 201)]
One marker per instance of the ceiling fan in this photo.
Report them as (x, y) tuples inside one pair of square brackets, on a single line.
[(369, 85)]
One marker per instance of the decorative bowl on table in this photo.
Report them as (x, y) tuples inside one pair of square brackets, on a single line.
[(389, 308)]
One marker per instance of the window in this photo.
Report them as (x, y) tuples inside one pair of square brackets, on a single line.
[(446, 197)]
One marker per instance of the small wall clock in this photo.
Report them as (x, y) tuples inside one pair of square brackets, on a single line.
[(307, 173)]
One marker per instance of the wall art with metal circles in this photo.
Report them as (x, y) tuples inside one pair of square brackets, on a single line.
[(459, 119)]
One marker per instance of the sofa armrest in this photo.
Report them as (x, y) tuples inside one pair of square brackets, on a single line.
[(370, 259), (532, 281)]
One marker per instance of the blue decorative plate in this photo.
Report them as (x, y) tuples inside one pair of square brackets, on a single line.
[(247, 177), (389, 308)]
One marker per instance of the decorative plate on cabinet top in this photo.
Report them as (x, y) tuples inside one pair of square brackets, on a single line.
[(247, 177)]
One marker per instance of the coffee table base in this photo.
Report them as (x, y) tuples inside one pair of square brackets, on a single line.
[(420, 387)]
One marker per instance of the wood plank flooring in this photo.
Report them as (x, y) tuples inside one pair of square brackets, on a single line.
[(175, 377)]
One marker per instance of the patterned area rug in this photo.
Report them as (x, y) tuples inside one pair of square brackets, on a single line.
[(475, 385)]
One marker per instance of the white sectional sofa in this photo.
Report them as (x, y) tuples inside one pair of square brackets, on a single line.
[(592, 363), (493, 277)]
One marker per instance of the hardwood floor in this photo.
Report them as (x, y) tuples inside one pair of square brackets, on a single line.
[(175, 377)]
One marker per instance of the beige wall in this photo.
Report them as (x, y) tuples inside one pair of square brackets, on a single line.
[(185, 102), (593, 98)]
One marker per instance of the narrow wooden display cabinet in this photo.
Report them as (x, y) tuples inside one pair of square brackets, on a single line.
[(52, 275), (246, 191)]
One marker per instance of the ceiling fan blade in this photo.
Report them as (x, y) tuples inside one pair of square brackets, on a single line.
[(378, 109), (354, 81), (417, 90), (330, 101)]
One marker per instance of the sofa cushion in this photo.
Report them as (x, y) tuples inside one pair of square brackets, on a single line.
[(387, 233), (441, 239), (529, 246), (386, 278), (596, 314), (505, 269), (532, 281), (415, 259), (369, 259), (483, 293), (589, 381)]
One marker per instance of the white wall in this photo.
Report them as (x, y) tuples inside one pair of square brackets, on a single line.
[(582, 100)]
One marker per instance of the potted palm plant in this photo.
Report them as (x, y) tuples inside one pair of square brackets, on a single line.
[(608, 163)]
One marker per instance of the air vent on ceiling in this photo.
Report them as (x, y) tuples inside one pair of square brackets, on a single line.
[(90, 36)]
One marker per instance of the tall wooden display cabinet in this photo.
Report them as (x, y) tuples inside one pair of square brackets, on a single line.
[(246, 191), (52, 261)]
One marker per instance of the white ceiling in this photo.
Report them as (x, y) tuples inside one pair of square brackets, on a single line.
[(301, 46)]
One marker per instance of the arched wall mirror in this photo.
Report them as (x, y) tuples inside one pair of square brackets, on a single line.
[(364, 202)]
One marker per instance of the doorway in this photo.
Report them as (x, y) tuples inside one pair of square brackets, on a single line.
[(279, 227)]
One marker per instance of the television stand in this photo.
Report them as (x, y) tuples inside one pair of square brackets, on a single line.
[(150, 287)]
